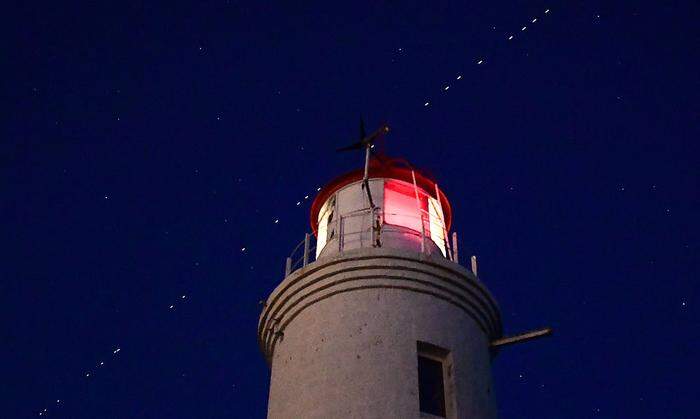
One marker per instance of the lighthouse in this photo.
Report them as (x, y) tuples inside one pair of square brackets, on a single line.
[(375, 316)]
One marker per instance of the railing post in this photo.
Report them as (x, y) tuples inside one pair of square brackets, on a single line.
[(288, 267), (307, 238), (371, 227), (420, 212), (341, 233), (455, 250), (376, 229)]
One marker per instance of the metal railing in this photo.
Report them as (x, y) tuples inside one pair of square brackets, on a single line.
[(369, 233), (300, 256)]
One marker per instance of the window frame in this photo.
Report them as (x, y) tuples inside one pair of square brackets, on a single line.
[(325, 222), (444, 357)]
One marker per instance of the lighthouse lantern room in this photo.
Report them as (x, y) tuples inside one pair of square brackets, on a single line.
[(396, 207)]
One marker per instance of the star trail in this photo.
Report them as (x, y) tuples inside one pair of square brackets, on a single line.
[(481, 60)]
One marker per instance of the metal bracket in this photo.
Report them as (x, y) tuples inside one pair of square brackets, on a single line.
[(522, 337)]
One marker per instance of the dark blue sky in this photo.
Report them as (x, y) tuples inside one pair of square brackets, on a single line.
[(144, 144)]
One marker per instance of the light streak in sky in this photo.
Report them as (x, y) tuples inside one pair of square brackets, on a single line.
[(481, 61), (91, 373)]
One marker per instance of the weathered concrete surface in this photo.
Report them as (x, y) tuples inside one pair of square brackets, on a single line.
[(341, 336)]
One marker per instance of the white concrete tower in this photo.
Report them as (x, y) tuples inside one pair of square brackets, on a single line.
[(385, 323)]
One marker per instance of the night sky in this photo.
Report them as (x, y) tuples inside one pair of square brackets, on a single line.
[(153, 154)]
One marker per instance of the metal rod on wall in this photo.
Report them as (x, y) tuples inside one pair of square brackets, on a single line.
[(307, 239)]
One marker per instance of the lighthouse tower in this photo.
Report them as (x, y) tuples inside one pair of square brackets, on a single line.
[(384, 322)]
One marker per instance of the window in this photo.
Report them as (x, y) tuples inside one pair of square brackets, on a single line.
[(401, 209), (325, 219), (434, 366), (400, 206), (431, 386), (437, 225)]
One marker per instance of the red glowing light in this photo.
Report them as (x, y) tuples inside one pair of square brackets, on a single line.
[(400, 206)]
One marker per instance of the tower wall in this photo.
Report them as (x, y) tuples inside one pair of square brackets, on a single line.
[(341, 336)]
